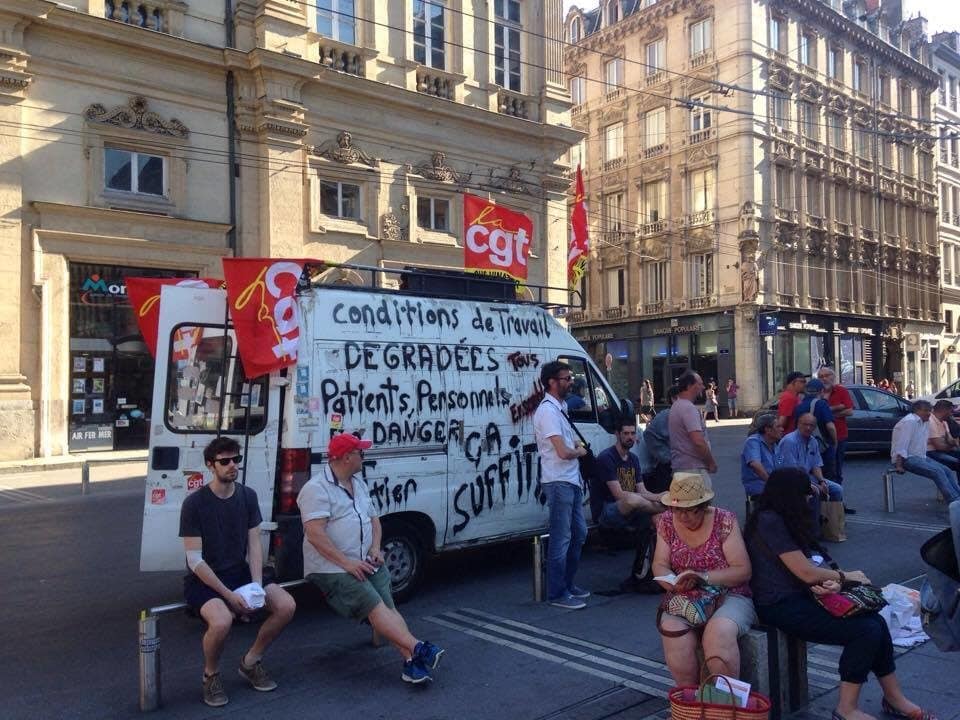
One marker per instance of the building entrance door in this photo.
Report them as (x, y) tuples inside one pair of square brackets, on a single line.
[(131, 394)]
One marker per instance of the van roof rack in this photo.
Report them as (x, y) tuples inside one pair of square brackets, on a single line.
[(435, 283)]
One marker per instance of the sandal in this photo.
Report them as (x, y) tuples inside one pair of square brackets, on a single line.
[(836, 716), (919, 714)]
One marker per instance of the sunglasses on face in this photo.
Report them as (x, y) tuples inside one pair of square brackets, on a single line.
[(235, 459)]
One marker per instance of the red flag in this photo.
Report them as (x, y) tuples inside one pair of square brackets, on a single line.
[(496, 240), (579, 237), (261, 293), (144, 294)]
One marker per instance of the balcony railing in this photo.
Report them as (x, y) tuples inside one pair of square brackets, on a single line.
[(576, 110), (785, 214), (654, 150), (577, 316), (653, 228), (339, 56), (511, 103), (145, 15), (701, 59), (654, 308), (699, 303), (701, 217), (437, 83), (615, 237), (700, 136), (842, 228), (956, 218), (815, 221), (613, 313), (612, 95), (868, 234), (615, 163), (656, 78)]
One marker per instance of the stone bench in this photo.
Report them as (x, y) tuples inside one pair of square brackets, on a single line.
[(775, 664)]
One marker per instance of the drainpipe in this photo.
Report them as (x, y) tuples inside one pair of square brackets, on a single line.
[(232, 169)]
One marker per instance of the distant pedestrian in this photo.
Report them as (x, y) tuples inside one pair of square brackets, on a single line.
[(789, 399), (732, 390), (646, 400), (712, 407), (220, 527), (908, 450), (562, 487), (689, 445), (342, 554), (656, 437), (910, 391)]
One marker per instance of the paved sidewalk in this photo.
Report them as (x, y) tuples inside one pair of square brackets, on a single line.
[(55, 478)]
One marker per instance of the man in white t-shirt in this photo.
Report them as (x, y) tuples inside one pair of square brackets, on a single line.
[(342, 555), (562, 487)]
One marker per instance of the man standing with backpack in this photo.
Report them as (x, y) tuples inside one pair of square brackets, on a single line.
[(825, 432)]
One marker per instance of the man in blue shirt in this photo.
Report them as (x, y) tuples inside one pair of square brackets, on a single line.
[(758, 458), (801, 449), (826, 430)]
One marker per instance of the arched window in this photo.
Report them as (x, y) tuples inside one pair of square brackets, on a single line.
[(575, 30)]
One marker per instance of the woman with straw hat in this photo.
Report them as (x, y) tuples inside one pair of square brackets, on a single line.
[(702, 546)]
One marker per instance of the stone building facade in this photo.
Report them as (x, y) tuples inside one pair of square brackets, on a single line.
[(761, 180), (156, 137)]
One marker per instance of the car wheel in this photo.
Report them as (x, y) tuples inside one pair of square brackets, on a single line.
[(404, 556)]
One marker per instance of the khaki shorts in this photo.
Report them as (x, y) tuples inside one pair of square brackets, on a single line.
[(740, 610), (351, 598)]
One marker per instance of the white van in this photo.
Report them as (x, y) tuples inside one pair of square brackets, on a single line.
[(445, 388)]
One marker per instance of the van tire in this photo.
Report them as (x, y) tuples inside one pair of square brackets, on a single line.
[(404, 556)]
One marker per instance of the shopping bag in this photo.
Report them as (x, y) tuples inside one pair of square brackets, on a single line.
[(834, 521)]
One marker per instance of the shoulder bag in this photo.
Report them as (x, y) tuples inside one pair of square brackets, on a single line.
[(695, 606)]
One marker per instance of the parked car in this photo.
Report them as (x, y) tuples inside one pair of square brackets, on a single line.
[(951, 392), (875, 412)]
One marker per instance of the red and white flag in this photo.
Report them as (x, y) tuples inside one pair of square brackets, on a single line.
[(579, 237), (261, 295), (495, 239), (144, 294)]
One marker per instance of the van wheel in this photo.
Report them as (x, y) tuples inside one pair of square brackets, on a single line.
[(404, 557)]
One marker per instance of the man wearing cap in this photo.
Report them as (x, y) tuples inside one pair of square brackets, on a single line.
[(562, 487), (789, 399), (342, 555), (689, 447), (814, 401)]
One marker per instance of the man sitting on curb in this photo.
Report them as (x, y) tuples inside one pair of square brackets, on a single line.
[(342, 555), (220, 527), (619, 501), (908, 451)]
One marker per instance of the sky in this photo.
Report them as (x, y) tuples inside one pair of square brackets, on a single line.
[(940, 14)]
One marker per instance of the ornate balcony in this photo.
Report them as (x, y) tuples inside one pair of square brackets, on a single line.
[(340, 56), (438, 83), (654, 308), (701, 217), (842, 228), (615, 164), (653, 228), (785, 214), (701, 59), (612, 95), (656, 78), (701, 136), (515, 104), (577, 316), (614, 313), (700, 303), (142, 14), (654, 151)]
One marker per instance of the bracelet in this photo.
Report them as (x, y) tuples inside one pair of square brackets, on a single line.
[(843, 578)]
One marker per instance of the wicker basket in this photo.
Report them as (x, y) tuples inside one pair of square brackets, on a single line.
[(684, 705)]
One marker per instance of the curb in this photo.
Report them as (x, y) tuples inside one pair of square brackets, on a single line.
[(70, 462)]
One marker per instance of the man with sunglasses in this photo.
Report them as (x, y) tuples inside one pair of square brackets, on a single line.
[(562, 487), (220, 527), (342, 554)]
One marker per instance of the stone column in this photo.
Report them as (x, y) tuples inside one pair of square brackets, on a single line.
[(17, 427)]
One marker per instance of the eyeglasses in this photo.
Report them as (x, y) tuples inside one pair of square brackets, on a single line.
[(235, 459)]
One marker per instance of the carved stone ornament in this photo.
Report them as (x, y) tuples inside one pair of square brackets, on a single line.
[(699, 242), (811, 91), (391, 227), (779, 77), (438, 169), (654, 247), (838, 103), (512, 182), (342, 150), (748, 221), (135, 116), (749, 279)]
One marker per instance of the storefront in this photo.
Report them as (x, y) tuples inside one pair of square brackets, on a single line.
[(806, 342), (111, 369), (662, 350)]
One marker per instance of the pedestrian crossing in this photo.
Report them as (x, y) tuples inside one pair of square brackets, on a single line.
[(628, 670), (892, 523), (16, 496)]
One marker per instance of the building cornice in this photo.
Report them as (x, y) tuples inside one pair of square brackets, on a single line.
[(863, 37), (641, 21), (302, 72), (128, 216)]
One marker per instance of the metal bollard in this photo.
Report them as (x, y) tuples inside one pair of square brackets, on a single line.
[(539, 571), (889, 502), (149, 663), (84, 478)]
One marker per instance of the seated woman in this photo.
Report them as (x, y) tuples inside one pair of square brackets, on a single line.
[(702, 545), (780, 538)]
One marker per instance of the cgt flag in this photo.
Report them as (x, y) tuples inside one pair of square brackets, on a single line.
[(496, 240), (579, 239), (144, 294), (261, 296)]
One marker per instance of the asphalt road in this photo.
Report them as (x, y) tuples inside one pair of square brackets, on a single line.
[(72, 592)]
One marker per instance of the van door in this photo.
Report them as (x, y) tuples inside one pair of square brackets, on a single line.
[(591, 405), (199, 393)]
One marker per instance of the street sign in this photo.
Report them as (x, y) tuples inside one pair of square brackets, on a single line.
[(768, 323)]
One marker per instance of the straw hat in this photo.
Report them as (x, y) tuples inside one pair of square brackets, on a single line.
[(686, 490)]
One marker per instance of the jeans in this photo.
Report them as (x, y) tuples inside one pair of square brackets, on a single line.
[(568, 532), (838, 461), (947, 459), (865, 638), (945, 480)]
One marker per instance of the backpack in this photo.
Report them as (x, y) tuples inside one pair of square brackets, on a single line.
[(817, 433), (940, 592)]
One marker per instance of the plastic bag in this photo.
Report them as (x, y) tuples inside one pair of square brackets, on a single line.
[(902, 615)]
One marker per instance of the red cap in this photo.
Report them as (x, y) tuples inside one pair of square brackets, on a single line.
[(345, 443)]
